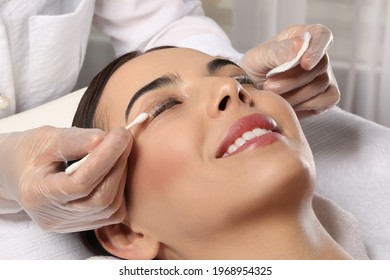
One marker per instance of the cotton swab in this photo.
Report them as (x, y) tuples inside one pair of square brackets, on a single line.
[(295, 61), (139, 119)]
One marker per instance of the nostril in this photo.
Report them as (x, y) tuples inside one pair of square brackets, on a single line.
[(223, 103), (242, 97)]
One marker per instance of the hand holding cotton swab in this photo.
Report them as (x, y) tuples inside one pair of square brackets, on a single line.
[(139, 119)]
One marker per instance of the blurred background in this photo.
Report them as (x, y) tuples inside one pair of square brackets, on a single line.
[(359, 55)]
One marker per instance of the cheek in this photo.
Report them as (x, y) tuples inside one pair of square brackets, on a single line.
[(163, 154), (286, 118), (159, 169)]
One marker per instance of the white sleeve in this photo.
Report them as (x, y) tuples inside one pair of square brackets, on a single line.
[(142, 25)]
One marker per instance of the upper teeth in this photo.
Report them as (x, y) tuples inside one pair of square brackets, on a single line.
[(248, 135)]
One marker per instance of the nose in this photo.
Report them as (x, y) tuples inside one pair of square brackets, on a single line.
[(226, 93)]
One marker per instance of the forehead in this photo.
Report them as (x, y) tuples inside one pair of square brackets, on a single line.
[(143, 69)]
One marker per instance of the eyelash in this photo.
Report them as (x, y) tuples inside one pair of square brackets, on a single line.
[(171, 101), (243, 79), (164, 105)]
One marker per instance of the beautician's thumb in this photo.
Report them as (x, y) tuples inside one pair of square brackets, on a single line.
[(257, 62), (319, 46)]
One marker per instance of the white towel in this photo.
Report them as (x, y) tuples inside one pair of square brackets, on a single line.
[(341, 225), (352, 157), (21, 239)]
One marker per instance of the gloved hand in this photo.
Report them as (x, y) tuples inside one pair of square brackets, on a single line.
[(32, 175), (310, 87)]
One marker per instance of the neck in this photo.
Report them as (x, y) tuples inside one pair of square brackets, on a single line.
[(291, 237), (278, 236)]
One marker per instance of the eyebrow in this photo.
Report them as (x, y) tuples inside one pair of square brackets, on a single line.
[(216, 64), (161, 82), (174, 80)]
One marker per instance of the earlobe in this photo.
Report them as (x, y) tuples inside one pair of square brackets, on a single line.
[(121, 241)]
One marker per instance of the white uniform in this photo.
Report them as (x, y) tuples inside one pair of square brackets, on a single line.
[(43, 42)]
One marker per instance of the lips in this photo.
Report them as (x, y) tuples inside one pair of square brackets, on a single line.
[(254, 129)]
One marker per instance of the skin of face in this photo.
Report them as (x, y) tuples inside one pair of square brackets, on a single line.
[(179, 194)]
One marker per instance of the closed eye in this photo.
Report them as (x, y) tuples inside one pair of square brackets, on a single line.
[(164, 105), (244, 80)]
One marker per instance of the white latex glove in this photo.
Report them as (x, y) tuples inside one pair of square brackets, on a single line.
[(32, 177), (310, 87)]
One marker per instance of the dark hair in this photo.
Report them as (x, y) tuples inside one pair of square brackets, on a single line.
[(85, 118), (85, 113)]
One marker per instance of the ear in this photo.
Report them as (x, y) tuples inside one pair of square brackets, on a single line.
[(121, 241)]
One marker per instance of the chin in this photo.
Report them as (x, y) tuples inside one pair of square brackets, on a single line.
[(295, 178), (286, 177)]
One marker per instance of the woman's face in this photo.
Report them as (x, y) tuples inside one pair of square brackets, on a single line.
[(188, 184)]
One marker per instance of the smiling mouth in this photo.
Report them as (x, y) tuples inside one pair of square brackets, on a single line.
[(244, 138), (253, 130)]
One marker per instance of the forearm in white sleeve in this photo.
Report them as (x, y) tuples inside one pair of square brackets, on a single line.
[(142, 25), (7, 204)]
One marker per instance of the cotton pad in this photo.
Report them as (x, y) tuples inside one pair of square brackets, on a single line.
[(294, 62)]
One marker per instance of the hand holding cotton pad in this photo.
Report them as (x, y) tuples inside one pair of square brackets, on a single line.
[(295, 61)]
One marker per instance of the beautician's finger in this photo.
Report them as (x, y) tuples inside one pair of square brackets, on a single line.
[(295, 77), (114, 213), (320, 42), (92, 223), (105, 205), (303, 94), (306, 114), (258, 61), (70, 143), (107, 197), (321, 102), (101, 160)]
